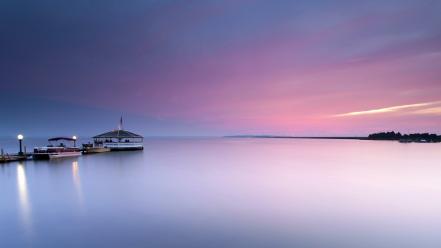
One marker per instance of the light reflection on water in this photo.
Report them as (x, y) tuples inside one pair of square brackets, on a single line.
[(229, 193), (77, 182), (23, 197)]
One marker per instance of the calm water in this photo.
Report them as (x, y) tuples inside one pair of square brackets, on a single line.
[(228, 193)]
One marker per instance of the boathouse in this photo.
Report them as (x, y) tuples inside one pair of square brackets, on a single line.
[(119, 140)]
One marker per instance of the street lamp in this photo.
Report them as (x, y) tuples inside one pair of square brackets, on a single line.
[(75, 140), (20, 140)]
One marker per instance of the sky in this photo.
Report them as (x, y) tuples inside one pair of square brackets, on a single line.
[(206, 67)]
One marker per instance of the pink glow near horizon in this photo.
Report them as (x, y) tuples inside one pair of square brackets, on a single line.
[(307, 100)]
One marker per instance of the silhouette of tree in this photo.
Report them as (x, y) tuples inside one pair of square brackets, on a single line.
[(415, 137)]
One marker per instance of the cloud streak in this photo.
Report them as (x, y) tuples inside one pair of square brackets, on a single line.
[(417, 108)]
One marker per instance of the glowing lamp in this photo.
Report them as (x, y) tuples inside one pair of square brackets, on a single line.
[(20, 144), (74, 140)]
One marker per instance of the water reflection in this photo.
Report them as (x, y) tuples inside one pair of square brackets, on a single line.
[(23, 197), (262, 192), (77, 182)]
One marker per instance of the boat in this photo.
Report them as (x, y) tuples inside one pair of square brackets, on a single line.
[(59, 150), (92, 149), (119, 140)]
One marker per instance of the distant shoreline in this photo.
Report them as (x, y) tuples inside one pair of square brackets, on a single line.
[(296, 137), (391, 136)]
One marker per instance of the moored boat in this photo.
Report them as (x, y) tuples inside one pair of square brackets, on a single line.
[(60, 150), (92, 149)]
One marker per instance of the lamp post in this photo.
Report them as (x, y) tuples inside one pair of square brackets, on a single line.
[(75, 140), (20, 142)]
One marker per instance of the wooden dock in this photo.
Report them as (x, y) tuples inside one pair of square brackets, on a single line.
[(5, 158)]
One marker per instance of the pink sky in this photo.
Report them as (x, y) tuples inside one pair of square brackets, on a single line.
[(238, 67)]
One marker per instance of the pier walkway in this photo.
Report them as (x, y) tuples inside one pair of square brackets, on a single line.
[(4, 158)]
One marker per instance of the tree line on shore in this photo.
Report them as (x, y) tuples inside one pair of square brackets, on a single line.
[(414, 137)]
